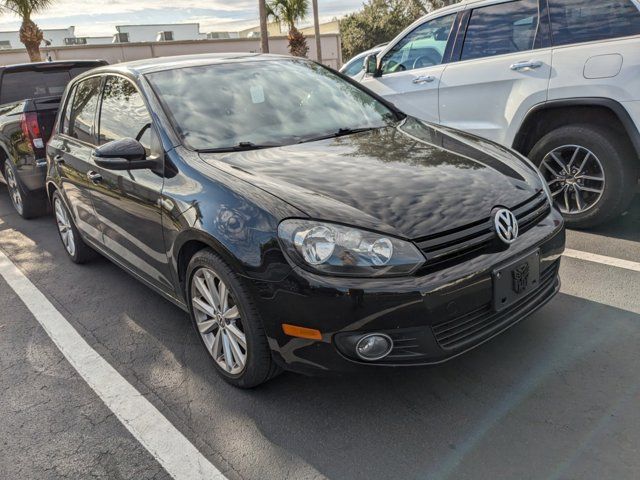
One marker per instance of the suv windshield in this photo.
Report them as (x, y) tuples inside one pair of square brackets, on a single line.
[(263, 103)]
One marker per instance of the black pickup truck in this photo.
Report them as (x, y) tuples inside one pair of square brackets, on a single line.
[(29, 100)]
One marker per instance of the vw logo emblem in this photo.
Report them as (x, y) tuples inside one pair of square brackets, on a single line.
[(506, 225)]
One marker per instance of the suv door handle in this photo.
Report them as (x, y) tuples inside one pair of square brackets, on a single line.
[(423, 79), (528, 64), (58, 160), (95, 177)]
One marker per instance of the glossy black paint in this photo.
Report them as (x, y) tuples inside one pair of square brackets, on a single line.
[(409, 181)]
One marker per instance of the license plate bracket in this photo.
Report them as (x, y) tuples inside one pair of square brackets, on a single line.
[(515, 281)]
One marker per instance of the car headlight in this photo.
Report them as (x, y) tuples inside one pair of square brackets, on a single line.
[(339, 250)]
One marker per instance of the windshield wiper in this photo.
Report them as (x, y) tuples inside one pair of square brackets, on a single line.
[(340, 133), (240, 147)]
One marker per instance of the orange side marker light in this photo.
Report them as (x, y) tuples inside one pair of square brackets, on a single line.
[(301, 332)]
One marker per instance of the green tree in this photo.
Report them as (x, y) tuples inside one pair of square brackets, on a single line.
[(290, 12), (380, 21), (30, 34)]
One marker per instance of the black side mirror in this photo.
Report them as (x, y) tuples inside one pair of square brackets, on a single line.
[(371, 65), (124, 154)]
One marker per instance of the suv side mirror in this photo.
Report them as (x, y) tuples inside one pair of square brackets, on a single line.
[(371, 66), (123, 154)]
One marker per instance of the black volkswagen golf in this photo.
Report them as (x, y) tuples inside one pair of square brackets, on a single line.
[(303, 222)]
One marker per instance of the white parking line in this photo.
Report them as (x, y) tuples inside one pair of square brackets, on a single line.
[(593, 257), (168, 446)]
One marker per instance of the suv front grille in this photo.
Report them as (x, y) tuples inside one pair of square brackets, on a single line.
[(457, 244)]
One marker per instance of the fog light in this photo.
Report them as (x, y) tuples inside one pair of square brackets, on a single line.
[(374, 346)]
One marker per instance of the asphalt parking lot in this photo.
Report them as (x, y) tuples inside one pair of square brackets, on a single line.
[(556, 396)]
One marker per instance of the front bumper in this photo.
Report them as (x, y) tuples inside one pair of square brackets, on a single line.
[(431, 318)]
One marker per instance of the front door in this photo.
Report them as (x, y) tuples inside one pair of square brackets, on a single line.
[(412, 68), (127, 202), (503, 71), (69, 152)]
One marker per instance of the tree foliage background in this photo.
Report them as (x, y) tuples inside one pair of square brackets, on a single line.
[(380, 21)]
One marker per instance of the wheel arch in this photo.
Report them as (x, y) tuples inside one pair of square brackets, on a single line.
[(190, 242), (546, 117)]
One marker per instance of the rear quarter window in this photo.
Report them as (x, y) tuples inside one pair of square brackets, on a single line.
[(578, 21)]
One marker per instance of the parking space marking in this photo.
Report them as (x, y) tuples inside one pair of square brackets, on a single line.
[(611, 261), (177, 455)]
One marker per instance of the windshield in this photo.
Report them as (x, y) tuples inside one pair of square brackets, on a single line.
[(263, 103)]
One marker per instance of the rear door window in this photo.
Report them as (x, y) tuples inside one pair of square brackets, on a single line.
[(577, 21), (83, 110), (501, 29)]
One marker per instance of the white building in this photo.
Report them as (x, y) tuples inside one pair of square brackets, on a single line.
[(56, 37), (158, 32)]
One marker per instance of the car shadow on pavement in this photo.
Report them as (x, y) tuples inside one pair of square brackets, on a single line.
[(553, 395)]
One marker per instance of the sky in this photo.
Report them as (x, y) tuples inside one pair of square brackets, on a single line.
[(99, 17)]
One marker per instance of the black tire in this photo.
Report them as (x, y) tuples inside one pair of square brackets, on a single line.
[(81, 253), (619, 163), (259, 366), (27, 204)]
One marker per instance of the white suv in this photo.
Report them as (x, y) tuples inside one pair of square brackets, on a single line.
[(557, 80)]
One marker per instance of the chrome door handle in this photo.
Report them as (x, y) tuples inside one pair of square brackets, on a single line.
[(58, 160), (423, 79), (95, 177), (529, 64)]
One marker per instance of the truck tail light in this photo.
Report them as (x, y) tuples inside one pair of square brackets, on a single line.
[(31, 129)]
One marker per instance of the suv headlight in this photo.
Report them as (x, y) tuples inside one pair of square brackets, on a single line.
[(339, 250)]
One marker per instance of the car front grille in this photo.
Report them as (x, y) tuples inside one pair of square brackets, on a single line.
[(481, 323), (456, 245)]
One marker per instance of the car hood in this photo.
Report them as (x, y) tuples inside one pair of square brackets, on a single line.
[(412, 180)]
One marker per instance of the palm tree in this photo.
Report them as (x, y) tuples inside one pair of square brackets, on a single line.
[(30, 35), (316, 29), (264, 31), (290, 12)]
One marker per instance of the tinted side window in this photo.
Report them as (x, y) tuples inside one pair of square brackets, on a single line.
[(575, 21), (501, 29), (123, 113), (83, 111), (355, 66), (66, 117), (423, 47)]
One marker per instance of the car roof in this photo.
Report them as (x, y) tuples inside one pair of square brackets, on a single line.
[(142, 67), (52, 65)]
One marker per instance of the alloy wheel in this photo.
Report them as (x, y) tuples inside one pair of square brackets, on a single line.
[(575, 176), (14, 190), (64, 227), (218, 321)]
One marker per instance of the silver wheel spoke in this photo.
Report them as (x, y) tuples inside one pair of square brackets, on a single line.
[(238, 335), (204, 307), (590, 177), (211, 287), (232, 313), (224, 296), (579, 201), (207, 326), (237, 353), (573, 158), (545, 164), (216, 348), (566, 199), (589, 189), (204, 291), (584, 162), (226, 351), (559, 162)]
